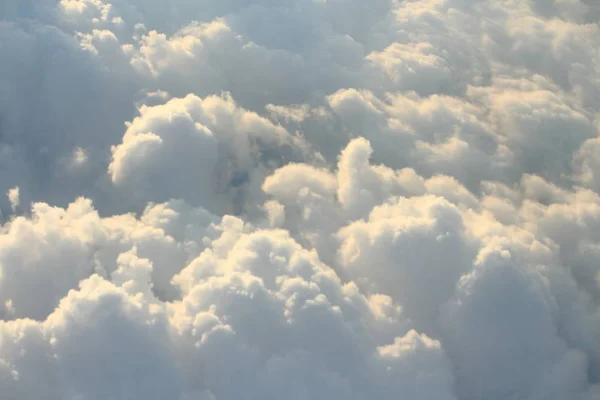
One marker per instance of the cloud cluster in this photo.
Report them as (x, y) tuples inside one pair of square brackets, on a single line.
[(347, 199)]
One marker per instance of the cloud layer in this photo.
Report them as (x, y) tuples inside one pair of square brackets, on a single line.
[(209, 200)]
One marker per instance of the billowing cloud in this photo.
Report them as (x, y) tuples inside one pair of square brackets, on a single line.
[(299, 199), (195, 149)]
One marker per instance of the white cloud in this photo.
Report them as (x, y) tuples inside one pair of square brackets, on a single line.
[(301, 199), (411, 249), (14, 198), (196, 149), (512, 346)]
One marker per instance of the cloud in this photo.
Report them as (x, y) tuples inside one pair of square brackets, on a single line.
[(518, 327), (326, 199), (413, 250), (14, 198), (255, 299), (195, 149)]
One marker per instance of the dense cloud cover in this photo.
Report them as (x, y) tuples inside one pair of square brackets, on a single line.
[(300, 199)]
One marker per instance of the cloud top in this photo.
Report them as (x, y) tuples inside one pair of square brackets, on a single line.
[(299, 199)]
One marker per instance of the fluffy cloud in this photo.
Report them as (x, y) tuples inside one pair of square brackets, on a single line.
[(253, 299), (299, 199), (197, 149), (504, 329), (413, 250)]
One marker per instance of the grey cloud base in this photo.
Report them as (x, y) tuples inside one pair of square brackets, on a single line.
[(299, 199)]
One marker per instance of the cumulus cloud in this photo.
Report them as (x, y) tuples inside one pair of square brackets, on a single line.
[(300, 199), (14, 198)]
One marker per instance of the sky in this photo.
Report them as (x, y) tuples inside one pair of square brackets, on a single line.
[(300, 199)]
